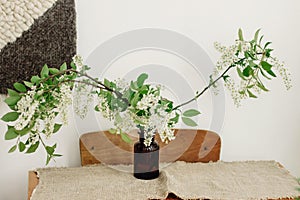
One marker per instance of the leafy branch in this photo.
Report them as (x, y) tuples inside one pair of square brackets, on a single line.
[(35, 104)]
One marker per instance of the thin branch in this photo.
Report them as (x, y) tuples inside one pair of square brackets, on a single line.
[(98, 84), (206, 88), (119, 95)]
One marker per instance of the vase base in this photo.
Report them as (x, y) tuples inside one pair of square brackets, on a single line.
[(147, 175)]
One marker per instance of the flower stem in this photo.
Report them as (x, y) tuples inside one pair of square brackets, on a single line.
[(119, 95), (206, 88)]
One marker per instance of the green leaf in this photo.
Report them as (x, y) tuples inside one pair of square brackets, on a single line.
[(135, 99), (188, 121), (20, 87), (10, 133), (21, 146), (112, 131), (12, 93), (175, 119), (268, 52), (85, 67), (240, 47), (48, 159), (141, 79), (225, 77), (261, 86), (241, 35), (53, 71), (256, 35), (250, 86), (13, 107), (24, 131), (125, 137), (267, 67), (10, 117), (118, 118), (28, 84), (252, 64), (267, 44), (50, 150), (33, 147), (12, 149), (143, 89), (271, 73), (242, 92), (107, 83), (261, 71), (133, 85), (57, 127), (251, 94), (191, 113), (35, 79), (45, 71), (260, 39), (249, 54), (240, 73), (13, 100), (97, 108), (247, 71), (73, 65), (63, 67)]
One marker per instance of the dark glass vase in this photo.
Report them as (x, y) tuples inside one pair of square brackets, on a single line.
[(146, 159)]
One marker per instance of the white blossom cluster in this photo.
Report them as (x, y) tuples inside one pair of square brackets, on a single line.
[(82, 99), (283, 72), (234, 91), (64, 97), (244, 45), (78, 61), (148, 101), (49, 123), (158, 122), (230, 57), (27, 106), (126, 124), (154, 120), (122, 84), (104, 109), (161, 121), (42, 120)]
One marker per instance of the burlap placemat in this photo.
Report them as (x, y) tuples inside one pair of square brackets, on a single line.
[(220, 180), (231, 180), (97, 182)]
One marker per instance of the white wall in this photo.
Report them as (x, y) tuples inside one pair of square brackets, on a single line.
[(267, 128)]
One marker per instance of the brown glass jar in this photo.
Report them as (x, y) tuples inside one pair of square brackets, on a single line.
[(146, 159)]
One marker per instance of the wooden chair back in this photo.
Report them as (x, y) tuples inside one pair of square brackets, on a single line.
[(189, 146)]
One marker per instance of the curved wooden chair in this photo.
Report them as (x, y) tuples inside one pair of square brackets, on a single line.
[(189, 146)]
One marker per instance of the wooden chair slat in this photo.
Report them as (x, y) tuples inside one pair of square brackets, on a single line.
[(189, 146)]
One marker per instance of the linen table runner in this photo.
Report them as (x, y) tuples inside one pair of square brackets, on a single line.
[(219, 180)]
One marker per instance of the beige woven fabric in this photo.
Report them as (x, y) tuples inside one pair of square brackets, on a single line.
[(17, 16), (231, 180), (220, 180)]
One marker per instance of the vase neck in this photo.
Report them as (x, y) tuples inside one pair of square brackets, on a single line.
[(142, 137)]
